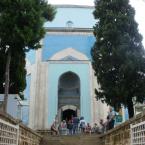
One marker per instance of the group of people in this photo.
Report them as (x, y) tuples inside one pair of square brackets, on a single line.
[(73, 126), (77, 125), (109, 123)]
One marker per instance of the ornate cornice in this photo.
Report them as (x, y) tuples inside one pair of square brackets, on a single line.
[(73, 6), (66, 29)]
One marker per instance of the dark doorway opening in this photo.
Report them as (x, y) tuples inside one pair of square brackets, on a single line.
[(67, 114)]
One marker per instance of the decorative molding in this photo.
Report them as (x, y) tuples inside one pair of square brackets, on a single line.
[(72, 29), (73, 6), (68, 62), (69, 58), (69, 52), (71, 107)]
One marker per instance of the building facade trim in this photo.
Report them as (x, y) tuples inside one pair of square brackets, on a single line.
[(69, 52)]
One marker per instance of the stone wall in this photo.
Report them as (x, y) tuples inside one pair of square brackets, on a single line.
[(120, 135), (26, 135)]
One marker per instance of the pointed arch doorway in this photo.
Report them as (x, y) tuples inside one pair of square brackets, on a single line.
[(68, 96)]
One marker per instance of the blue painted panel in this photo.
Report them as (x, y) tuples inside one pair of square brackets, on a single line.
[(54, 72), (55, 43), (81, 17), (27, 89), (25, 115), (126, 114), (31, 55), (12, 108)]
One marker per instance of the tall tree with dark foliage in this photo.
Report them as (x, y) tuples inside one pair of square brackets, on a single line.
[(21, 28), (118, 55)]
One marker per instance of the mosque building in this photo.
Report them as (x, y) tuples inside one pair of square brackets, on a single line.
[(60, 77)]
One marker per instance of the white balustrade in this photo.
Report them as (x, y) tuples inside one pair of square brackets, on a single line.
[(9, 133), (138, 134)]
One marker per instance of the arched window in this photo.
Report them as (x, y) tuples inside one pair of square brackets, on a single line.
[(69, 89), (69, 24)]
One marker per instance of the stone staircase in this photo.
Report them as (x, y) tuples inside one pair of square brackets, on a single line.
[(71, 140)]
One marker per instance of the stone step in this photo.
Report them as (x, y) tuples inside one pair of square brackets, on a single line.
[(71, 140)]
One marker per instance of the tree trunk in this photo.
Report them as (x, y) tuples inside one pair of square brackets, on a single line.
[(7, 80), (130, 108)]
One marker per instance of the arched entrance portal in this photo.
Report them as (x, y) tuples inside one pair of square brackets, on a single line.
[(67, 114), (68, 95)]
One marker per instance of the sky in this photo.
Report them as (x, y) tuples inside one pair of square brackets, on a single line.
[(139, 6)]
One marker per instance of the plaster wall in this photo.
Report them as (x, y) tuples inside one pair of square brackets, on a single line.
[(57, 42), (12, 104), (55, 70), (83, 14)]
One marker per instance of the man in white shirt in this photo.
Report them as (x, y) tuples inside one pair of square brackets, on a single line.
[(111, 116)]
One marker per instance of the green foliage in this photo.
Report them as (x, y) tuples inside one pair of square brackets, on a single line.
[(21, 22), (118, 53), (17, 73), (21, 29)]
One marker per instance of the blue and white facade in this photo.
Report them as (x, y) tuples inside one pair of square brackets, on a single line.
[(60, 78), (14, 105)]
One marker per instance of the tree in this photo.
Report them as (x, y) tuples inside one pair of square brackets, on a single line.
[(118, 55), (21, 28), (17, 71)]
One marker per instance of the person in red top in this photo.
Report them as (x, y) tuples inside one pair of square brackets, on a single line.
[(88, 129)]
